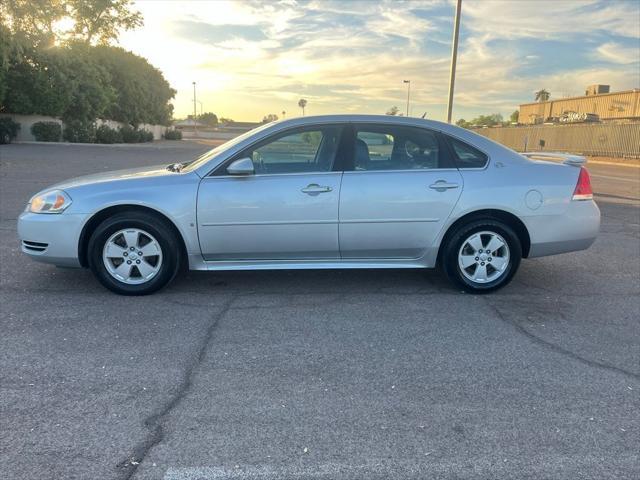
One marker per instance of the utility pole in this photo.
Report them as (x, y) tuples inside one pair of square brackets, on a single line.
[(408, 82), (195, 115), (454, 56)]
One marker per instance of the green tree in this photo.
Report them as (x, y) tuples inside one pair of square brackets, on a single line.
[(393, 111), (32, 21), (302, 103), (208, 118), (514, 116), (142, 93), (38, 85), (89, 82), (61, 73), (272, 117), (93, 21), (100, 21), (482, 121), (6, 56), (61, 82), (542, 95)]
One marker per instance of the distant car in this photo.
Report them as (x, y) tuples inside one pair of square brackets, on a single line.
[(327, 192)]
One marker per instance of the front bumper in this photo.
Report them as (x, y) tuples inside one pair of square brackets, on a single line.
[(575, 229), (51, 238)]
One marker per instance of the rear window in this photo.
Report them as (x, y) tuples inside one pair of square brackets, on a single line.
[(467, 156)]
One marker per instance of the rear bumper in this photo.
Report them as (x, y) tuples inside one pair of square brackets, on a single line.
[(51, 238), (576, 229)]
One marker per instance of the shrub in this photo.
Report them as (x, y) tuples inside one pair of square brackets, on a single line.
[(46, 131), (106, 134), (173, 135), (129, 134), (8, 130), (133, 135), (77, 131), (146, 136)]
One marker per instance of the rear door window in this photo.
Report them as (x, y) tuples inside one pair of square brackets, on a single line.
[(393, 147), (468, 156)]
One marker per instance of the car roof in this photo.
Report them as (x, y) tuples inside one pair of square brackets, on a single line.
[(483, 143), (313, 119)]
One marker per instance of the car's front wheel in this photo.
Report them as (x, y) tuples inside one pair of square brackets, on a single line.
[(134, 253), (482, 256)]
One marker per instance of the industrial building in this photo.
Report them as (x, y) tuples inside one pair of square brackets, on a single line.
[(597, 104)]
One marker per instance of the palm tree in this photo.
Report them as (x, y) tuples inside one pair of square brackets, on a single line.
[(302, 103), (542, 95)]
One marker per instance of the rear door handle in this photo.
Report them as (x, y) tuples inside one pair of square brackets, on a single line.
[(442, 185), (315, 189)]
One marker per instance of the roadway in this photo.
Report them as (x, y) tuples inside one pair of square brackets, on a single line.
[(318, 374)]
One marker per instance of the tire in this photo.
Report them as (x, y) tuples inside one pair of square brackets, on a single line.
[(148, 267), (486, 270)]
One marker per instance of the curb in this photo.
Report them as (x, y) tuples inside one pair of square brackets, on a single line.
[(617, 164), (153, 144)]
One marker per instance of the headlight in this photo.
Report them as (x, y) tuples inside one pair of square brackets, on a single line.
[(54, 201)]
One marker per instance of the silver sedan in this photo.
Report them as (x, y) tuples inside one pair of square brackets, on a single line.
[(354, 191)]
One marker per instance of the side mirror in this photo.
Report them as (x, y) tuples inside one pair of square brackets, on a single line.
[(242, 166)]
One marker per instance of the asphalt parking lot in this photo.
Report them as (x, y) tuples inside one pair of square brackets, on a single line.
[(318, 374)]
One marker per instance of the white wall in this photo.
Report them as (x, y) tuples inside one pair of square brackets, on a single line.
[(26, 121), (209, 135)]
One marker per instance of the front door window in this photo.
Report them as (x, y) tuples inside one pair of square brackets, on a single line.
[(303, 151)]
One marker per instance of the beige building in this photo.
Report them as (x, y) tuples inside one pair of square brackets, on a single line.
[(597, 103)]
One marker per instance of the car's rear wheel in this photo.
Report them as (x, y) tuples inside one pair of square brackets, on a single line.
[(482, 256), (134, 253)]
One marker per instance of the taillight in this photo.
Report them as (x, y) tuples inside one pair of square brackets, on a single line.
[(583, 189)]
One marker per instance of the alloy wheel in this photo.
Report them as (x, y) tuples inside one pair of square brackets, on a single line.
[(132, 256), (483, 257)]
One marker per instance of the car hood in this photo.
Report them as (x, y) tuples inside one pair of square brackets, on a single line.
[(115, 175)]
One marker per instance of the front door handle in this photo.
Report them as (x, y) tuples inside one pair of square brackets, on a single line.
[(315, 189), (443, 185)]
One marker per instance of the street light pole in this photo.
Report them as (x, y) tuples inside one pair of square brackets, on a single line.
[(408, 82), (454, 56), (195, 115)]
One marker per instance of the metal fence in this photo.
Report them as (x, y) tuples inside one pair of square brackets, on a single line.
[(602, 139)]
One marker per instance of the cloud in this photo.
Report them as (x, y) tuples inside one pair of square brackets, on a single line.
[(616, 53), (251, 58), (561, 19)]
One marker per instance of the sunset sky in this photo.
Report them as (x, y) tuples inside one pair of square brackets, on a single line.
[(250, 59)]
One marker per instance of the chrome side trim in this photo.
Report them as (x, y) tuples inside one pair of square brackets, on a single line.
[(392, 220), (300, 174), (407, 170), (318, 222), (282, 222)]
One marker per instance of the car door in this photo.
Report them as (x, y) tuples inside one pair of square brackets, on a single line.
[(286, 210), (401, 188)]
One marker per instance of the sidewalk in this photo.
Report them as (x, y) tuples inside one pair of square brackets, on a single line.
[(620, 162)]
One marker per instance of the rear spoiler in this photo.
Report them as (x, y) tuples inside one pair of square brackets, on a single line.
[(567, 158)]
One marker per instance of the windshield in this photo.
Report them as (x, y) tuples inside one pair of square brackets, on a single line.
[(204, 158)]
